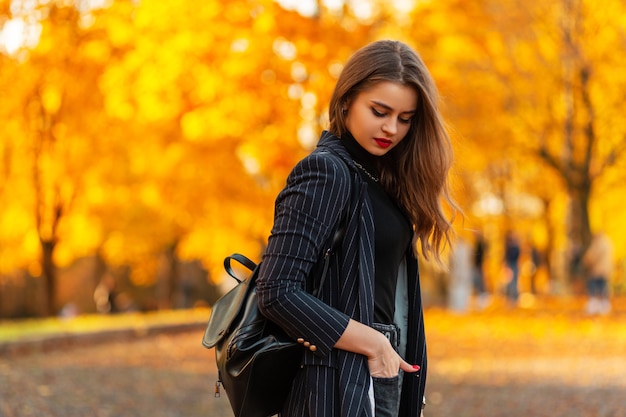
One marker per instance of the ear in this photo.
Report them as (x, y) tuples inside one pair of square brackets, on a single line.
[(345, 105)]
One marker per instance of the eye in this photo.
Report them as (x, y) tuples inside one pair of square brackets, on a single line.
[(405, 120), (377, 113)]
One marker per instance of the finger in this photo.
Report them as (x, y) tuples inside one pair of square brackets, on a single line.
[(406, 367)]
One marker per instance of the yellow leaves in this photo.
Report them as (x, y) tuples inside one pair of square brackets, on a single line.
[(51, 98), (155, 100), (319, 51), (236, 12), (120, 33), (115, 247), (150, 195), (232, 229), (19, 243), (193, 125), (15, 222), (117, 102), (150, 103), (247, 153), (152, 107), (224, 119), (117, 106), (211, 125), (264, 23), (165, 110), (208, 83), (82, 238), (97, 51)]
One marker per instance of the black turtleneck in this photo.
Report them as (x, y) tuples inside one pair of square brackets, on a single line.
[(392, 233)]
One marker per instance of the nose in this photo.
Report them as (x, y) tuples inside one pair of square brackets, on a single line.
[(390, 127)]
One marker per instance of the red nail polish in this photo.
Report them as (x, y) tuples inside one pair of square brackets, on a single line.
[(416, 367)]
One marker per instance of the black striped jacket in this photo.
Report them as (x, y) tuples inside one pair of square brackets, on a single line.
[(320, 190)]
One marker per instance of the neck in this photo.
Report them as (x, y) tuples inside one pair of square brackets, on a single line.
[(363, 159)]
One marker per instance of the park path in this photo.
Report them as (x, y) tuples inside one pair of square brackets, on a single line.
[(165, 375), (481, 365), (532, 364)]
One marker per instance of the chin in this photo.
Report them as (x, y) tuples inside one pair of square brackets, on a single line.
[(379, 152)]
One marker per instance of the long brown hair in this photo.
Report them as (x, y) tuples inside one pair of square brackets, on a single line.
[(415, 172)]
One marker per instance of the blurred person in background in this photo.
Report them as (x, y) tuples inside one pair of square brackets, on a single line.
[(536, 259), (460, 277), (105, 295), (512, 252), (598, 263), (480, 288)]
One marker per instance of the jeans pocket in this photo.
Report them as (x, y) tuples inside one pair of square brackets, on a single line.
[(386, 396)]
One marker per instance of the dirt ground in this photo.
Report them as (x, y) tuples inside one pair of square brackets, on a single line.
[(516, 364), (487, 364)]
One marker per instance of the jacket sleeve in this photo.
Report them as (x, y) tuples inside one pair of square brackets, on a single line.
[(306, 213)]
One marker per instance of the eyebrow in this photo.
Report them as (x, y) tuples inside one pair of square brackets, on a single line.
[(388, 107)]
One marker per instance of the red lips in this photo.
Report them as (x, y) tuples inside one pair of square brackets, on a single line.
[(383, 142)]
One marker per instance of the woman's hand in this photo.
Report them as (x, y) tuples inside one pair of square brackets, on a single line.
[(383, 360), (387, 362)]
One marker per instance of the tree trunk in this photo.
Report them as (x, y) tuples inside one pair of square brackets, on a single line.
[(169, 278), (579, 231), (549, 249), (49, 276)]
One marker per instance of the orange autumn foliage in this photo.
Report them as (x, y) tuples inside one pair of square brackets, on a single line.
[(140, 126)]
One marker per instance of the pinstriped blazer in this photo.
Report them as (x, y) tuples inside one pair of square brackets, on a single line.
[(322, 189)]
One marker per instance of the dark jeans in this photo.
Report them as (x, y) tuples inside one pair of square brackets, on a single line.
[(597, 287), (387, 390), (479, 281), (512, 292), (386, 396)]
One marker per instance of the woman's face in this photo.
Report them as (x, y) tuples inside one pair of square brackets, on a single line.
[(380, 117)]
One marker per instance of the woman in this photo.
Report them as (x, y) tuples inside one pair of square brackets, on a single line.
[(380, 173), (598, 263)]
